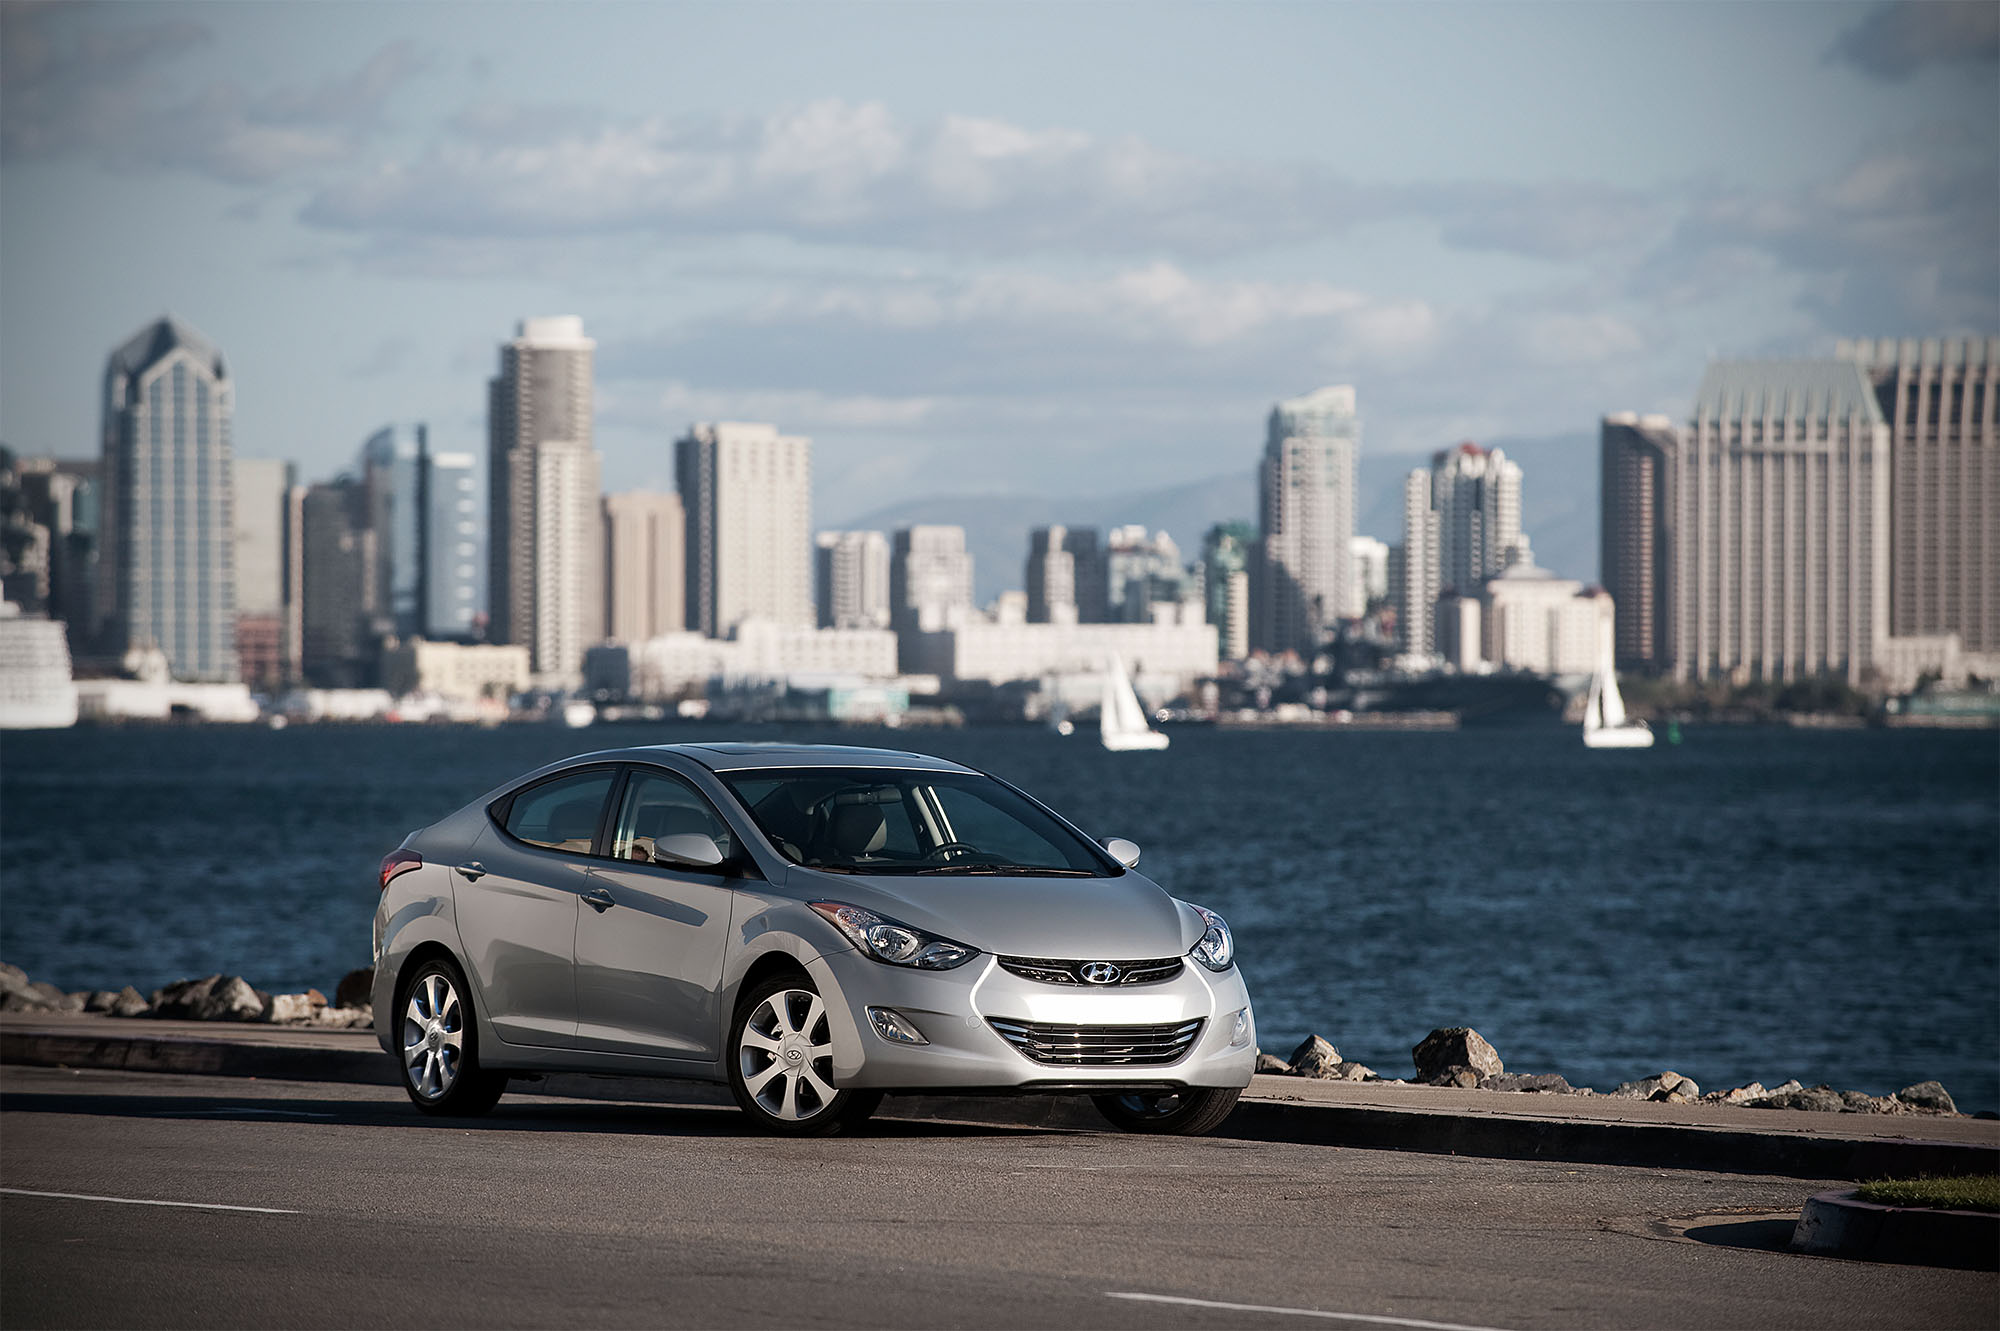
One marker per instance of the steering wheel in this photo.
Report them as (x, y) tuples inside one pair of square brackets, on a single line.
[(945, 850)]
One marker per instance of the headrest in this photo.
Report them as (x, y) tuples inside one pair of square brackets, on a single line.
[(858, 829), (658, 820), (574, 821)]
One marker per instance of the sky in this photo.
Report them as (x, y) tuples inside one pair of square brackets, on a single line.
[(984, 248)]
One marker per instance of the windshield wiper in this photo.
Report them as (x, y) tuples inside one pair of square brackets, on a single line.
[(1003, 871)]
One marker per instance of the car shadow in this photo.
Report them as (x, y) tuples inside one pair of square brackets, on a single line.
[(514, 1114)]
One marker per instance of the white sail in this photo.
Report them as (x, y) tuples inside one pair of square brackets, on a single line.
[(1605, 725), (1121, 722)]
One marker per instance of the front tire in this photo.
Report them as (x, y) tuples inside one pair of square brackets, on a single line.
[(1187, 1113), (781, 1063), (440, 1041)]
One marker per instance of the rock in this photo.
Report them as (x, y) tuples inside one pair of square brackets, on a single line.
[(1272, 1064), (1667, 1088), (344, 1018), (1859, 1102), (182, 998), (1548, 1082), (1315, 1058), (1351, 1071), (20, 1000), (356, 989), (75, 1002), (1821, 1099), (291, 1008), (48, 993), (100, 1001), (13, 979), (1456, 1047), (1466, 1078), (215, 998), (317, 999), (1740, 1095), (130, 1003), (1929, 1097)]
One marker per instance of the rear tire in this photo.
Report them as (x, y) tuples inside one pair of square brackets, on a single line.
[(439, 1037), (781, 1063), (1186, 1113)]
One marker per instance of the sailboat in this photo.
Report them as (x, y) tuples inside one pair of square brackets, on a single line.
[(1121, 721), (1605, 725)]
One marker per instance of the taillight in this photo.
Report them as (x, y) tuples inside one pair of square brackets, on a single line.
[(399, 861)]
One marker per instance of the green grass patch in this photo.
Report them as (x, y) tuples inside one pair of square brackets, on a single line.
[(1974, 1192)]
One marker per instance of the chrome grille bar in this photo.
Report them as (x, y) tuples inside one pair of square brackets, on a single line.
[(1098, 1046), (1047, 970)]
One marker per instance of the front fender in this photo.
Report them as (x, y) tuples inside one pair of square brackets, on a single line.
[(767, 925)]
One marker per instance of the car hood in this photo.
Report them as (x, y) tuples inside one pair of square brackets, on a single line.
[(1128, 918)]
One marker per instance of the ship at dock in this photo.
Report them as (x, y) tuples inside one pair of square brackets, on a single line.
[(37, 687)]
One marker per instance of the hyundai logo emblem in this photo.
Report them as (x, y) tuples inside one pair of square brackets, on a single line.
[(1100, 972)]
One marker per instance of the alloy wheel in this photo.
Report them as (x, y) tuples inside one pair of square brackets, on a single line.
[(433, 1036), (785, 1053)]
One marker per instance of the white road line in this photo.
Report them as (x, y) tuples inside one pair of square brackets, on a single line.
[(142, 1201), (1301, 1312)]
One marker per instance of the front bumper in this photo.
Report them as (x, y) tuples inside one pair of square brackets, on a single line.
[(952, 1009)]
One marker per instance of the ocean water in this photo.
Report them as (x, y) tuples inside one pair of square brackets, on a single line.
[(1752, 903)]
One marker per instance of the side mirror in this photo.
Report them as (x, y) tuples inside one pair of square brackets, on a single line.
[(690, 850), (1118, 848)]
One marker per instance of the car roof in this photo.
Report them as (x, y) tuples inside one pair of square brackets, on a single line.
[(738, 756)]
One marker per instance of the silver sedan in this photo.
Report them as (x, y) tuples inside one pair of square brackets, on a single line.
[(814, 925)]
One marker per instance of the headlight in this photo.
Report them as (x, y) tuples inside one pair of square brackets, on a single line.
[(1216, 950), (898, 944)]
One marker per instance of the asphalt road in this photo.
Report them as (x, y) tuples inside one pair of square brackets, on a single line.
[(359, 1211)]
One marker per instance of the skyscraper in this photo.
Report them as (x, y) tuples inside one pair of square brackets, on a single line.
[(453, 601), (1226, 551), (645, 583), (170, 536), (1414, 579), (930, 579), (1937, 396), (746, 491), (263, 488), (1306, 511), (1477, 495), (341, 611), (391, 466), (1635, 534), (851, 579), (1781, 524), (1066, 576), (545, 548)]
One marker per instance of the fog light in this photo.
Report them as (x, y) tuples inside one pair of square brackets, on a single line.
[(893, 1026), (1240, 1034)]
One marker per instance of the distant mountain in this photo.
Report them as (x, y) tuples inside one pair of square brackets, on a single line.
[(1559, 503)]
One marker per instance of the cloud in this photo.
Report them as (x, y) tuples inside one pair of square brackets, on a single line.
[(99, 90), (845, 172), (1899, 39)]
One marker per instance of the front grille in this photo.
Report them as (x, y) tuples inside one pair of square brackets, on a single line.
[(1098, 1046), (1048, 971)]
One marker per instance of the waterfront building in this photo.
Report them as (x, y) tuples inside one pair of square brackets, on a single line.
[(1635, 534), (930, 579), (1306, 485), (1066, 578), (851, 579), (1477, 495), (1938, 398), (1180, 646), (1530, 619), (746, 491), (1227, 553), (264, 537), (675, 665), (340, 613), (37, 691), (1369, 560), (168, 563), (545, 548), (1780, 536), (456, 671), (645, 582), (1415, 582), (453, 600)]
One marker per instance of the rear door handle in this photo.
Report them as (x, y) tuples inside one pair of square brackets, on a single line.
[(473, 870), (599, 900)]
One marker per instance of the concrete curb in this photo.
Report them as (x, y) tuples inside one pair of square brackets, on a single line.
[(1515, 1135), (1839, 1224)]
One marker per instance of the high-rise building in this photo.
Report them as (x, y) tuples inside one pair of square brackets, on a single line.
[(340, 611), (645, 542), (851, 579), (1477, 495), (1635, 534), (1306, 512), (1141, 571), (746, 491), (1780, 533), (545, 547), (452, 604), (48, 552), (1414, 577), (1370, 560), (168, 566), (1226, 554), (391, 466), (1067, 577), (1937, 396), (930, 579), (263, 542)]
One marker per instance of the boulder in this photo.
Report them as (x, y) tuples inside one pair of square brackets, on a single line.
[(1443, 1051), (1859, 1102), (1821, 1099), (1667, 1088), (231, 1000), (181, 999), (129, 1002), (317, 999), (100, 1001), (75, 1002), (1929, 1097), (13, 979), (1739, 1095), (1315, 1058), (356, 988), (20, 1000), (344, 1018), (290, 1008), (1351, 1071), (48, 993), (1462, 1077), (1272, 1064), (1547, 1082)]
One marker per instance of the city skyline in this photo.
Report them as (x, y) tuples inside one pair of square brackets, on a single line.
[(1488, 266)]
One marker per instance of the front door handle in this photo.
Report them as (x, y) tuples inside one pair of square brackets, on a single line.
[(473, 870), (599, 900)]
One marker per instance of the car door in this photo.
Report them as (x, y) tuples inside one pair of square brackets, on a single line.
[(650, 939), (517, 903)]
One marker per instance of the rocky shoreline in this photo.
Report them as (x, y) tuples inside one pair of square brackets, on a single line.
[(1454, 1056), (1459, 1056)]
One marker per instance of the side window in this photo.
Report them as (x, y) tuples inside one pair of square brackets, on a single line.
[(659, 805), (561, 814)]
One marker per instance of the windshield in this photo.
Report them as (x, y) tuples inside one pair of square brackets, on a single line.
[(883, 821)]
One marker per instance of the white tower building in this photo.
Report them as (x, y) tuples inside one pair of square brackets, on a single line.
[(1477, 495), (746, 491), (851, 579), (1306, 512)]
